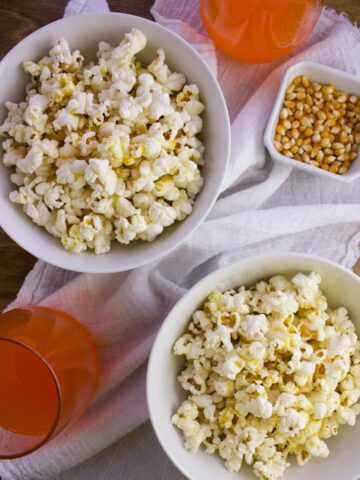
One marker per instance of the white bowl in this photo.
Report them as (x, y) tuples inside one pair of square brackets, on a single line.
[(317, 73), (164, 394), (84, 32)]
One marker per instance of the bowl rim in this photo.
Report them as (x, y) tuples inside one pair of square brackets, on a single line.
[(171, 245), (151, 373), (269, 141)]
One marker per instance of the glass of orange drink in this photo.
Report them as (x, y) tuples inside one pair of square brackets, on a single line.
[(259, 31), (49, 372)]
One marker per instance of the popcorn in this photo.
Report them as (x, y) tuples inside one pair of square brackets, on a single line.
[(152, 231), (162, 214), (253, 327), (124, 207), (293, 421), (182, 206), (100, 176), (271, 371), (317, 447), (320, 410), (259, 407), (89, 227), (146, 146), (173, 81), (105, 152), (192, 348), (160, 105), (232, 364), (272, 469), (304, 373)]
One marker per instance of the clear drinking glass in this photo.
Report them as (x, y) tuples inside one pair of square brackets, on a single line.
[(258, 31), (49, 371)]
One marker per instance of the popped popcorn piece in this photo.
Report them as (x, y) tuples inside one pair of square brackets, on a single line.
[(253, 327)]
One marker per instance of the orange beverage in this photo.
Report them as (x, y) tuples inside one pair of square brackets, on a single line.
[(258, 31), (48, 375)]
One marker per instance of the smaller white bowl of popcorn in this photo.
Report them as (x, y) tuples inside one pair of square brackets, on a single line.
[(114, 142), (255, 373)]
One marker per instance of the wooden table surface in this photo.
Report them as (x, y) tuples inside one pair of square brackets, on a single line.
[(17, 19)]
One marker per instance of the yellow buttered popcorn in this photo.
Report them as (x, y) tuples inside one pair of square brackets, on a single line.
[(114, 141), (271, 371)]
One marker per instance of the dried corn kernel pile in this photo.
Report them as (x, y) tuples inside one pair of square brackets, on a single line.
[(319, 125), (270, 371)]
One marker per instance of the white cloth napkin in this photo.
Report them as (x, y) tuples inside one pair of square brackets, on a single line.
[(265, 208)]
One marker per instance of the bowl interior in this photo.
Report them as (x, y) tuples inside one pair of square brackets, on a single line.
[(84, 32), (341, 287)]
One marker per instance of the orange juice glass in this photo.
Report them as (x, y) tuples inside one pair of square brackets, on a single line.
[(259, 31), (49, 371)]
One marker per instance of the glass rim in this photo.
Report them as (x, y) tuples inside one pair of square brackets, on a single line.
[(59, 401)]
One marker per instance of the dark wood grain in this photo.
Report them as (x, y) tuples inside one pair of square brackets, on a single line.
[(134, 7), (18, 18), (15, 263), (350, 7)]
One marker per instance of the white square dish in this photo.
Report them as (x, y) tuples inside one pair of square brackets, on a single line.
[(322, 74)]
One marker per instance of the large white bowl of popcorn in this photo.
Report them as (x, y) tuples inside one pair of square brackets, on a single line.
[(114, 142), (255, 373)]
